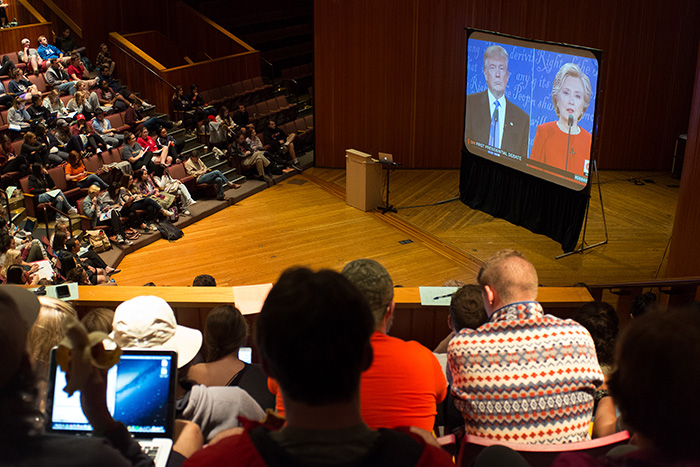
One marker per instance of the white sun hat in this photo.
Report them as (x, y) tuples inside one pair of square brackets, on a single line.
[(149, 322)]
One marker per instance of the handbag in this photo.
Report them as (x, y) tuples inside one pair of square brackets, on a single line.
[(164, 200), (98, 240)]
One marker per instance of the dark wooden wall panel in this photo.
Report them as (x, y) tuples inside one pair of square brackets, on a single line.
[(684, 249), (419, 51), (160, 47)]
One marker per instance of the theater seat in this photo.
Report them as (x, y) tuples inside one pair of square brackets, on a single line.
[(540, 454)]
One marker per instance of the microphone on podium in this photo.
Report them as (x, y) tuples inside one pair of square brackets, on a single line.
[(495, 116), (568, 142)]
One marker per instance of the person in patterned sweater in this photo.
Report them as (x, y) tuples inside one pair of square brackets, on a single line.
[(523, 376)]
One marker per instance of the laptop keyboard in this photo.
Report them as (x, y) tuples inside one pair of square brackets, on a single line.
[(150, 450)]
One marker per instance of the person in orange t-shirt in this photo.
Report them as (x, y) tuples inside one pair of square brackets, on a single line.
[(405, 382)]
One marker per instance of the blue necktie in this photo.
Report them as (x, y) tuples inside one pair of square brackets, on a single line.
[(494, 139)]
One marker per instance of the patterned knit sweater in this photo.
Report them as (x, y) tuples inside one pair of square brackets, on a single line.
[(525, 377)]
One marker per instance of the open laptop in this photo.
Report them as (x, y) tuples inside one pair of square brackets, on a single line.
[(385, 158), (140, 394)]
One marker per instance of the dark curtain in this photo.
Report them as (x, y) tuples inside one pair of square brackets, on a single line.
[(540, 206)]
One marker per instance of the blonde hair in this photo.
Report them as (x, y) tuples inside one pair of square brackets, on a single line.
[(11, 257), (47, 331), (571, 70), (93, 189)]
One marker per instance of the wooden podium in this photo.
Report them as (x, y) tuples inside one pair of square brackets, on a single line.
[(363, 180)]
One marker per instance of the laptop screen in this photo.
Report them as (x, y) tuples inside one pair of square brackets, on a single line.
[(140, 394)]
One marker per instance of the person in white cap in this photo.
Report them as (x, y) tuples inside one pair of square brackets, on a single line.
[(29, 55), (149, 322)]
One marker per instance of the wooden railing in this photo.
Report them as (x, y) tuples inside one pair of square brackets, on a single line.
[(671, 292), (31, 24), (59, 13), (412, 321)]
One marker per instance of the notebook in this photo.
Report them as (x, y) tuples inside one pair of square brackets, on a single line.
[(140, 394)]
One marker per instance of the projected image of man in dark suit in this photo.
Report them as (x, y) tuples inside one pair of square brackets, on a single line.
[(491, 118)]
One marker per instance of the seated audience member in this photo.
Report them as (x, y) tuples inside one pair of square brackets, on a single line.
[(30, 56), (76, 70), (110, 98), (30, 248), (34, 151), (405, 382), (144, 185), (21, 87), (79, 275), (47, 51), (548, 403), (98, 319), (250, 158), (92, 102), (80, 105), (14, 258), (197, 103), (6, 99), (59, 79), (167, 184), (196, 168), (37, 111), (17, 116), (17, 275), (104, 62), (149, 322), (313, 335), (21, 440), (280, 142), (182, 105), (174, 147), (96, 269), (103, 127), (103, 211), (53, 103), (137, 156), (160, 154), (95, 143), (137, 208), (204, 280), (655, 388), (77, 173), (601, 321), (66, 43), (133, 119), (47, 331), (225, 332), (643, 304), (241, 117), (43, 187), (466, 311), (13, 162), (46, 138)]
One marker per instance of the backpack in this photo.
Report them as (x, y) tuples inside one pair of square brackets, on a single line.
[(169, 231)]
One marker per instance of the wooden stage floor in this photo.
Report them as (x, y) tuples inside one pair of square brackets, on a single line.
[(305, 221)]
